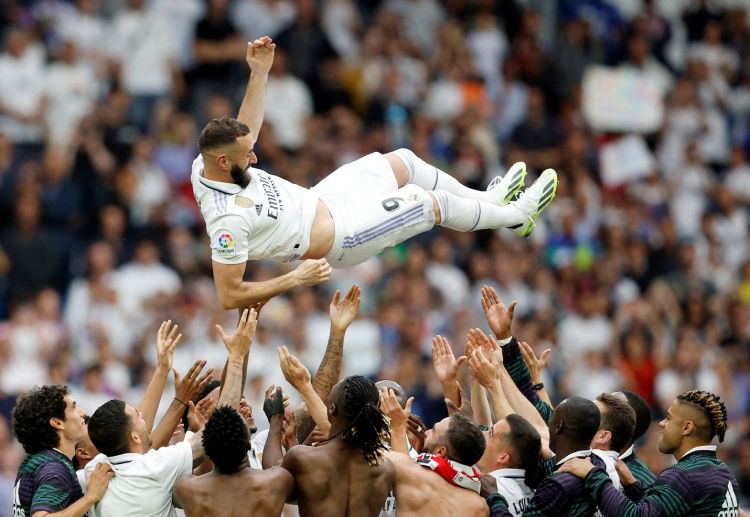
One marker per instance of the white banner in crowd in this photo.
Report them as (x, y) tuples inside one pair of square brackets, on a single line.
[(625, 160), (621, 100)]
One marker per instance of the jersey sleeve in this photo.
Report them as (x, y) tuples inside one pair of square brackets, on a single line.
[(54, 489), (519, 372), (668, 496), (230, 240)]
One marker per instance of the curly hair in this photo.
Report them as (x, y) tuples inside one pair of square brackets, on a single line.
[(226, 439), (208, 388), (30, 419), (368, 427), (712, 407)]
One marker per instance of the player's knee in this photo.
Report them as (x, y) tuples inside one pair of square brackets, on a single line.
[(402, 163), (435, 208)]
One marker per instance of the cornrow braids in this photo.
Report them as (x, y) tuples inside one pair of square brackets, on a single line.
[(713, 407), (368, 428)]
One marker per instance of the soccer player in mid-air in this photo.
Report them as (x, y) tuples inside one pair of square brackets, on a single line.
[(360, 209)]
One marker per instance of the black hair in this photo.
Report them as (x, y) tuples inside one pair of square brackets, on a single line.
[(712, 407), (465, 440), (109, 427), (618, 419), (221, 131), (524, 441), (581, 418), (31, 415), (208, 388), (367, 427), (226, 439), (642, 413)]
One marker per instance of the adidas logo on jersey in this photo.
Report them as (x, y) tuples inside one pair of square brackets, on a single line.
[(730, 508), (258, 208)]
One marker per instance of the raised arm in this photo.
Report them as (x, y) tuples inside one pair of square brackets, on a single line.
[(235, 293), (273, 407), (446, 368), (298, 376), (259, 58), (398, 416), (166, 340), (342, 311), (238, 346), (185, 390)]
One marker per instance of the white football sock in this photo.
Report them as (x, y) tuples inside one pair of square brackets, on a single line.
[(467, 215), (431, 178)]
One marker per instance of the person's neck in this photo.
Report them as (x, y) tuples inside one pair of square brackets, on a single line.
[(565, 448), (67, 447), (214, 174), (686, 445)]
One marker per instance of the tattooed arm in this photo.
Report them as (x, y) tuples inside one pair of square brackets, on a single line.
[(343, 311)]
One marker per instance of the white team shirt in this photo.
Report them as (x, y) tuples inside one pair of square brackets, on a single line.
[(511, 484), (143, 483), (269, 219)]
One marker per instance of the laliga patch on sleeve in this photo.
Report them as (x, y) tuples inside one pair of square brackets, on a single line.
[(225, 243)]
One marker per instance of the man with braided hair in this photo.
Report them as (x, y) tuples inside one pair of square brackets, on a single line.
[(699, 484), (347, 474)]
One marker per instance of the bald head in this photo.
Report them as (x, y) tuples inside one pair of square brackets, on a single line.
[(396, 387)]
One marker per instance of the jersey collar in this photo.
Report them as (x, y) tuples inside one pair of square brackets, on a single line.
[(627, 453), (229, 189), (577, 454), (508, 473), (701, 448)]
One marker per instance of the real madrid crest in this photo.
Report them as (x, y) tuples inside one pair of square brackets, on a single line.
[(243, 202)]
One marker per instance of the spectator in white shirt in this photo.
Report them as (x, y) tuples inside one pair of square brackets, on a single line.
[(288, 104), (72, 90), (144, 45), (22, 88)]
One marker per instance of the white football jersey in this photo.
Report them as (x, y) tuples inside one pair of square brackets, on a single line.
[(269, 219), (511, 484)]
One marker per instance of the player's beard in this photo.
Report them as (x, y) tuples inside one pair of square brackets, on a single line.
[(240, 176)]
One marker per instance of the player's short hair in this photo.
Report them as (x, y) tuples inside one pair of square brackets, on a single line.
[(618, 419), (367, 427), (642, 413), (109, 427), (220, 132), (580, 416), (226, 439), (31, 415), (465, 440), (524, 441), (712, 407)]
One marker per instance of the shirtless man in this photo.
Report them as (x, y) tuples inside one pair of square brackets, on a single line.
[(233, 488), (354, 213), (348, 474), (443, 480)]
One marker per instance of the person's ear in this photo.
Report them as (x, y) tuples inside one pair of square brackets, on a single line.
[(56, 423), (441, 450), (135, 437), (688, 427), (559, 427), (503, 459)]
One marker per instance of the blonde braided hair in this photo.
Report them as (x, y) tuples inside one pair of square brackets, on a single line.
[(712, 405)]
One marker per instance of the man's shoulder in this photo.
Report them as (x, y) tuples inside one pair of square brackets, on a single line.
[(46, 463)]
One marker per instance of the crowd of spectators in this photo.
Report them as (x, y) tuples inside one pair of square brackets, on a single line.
[(643, 285)]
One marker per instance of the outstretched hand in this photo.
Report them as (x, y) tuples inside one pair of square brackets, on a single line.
[(444, 361), (187, 388), (260, 55), (484, 369), (535, 365), (344, 310), (166, 341), (465, 409), (238, 344), (390, 405), (294, 371), (498, 316)]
